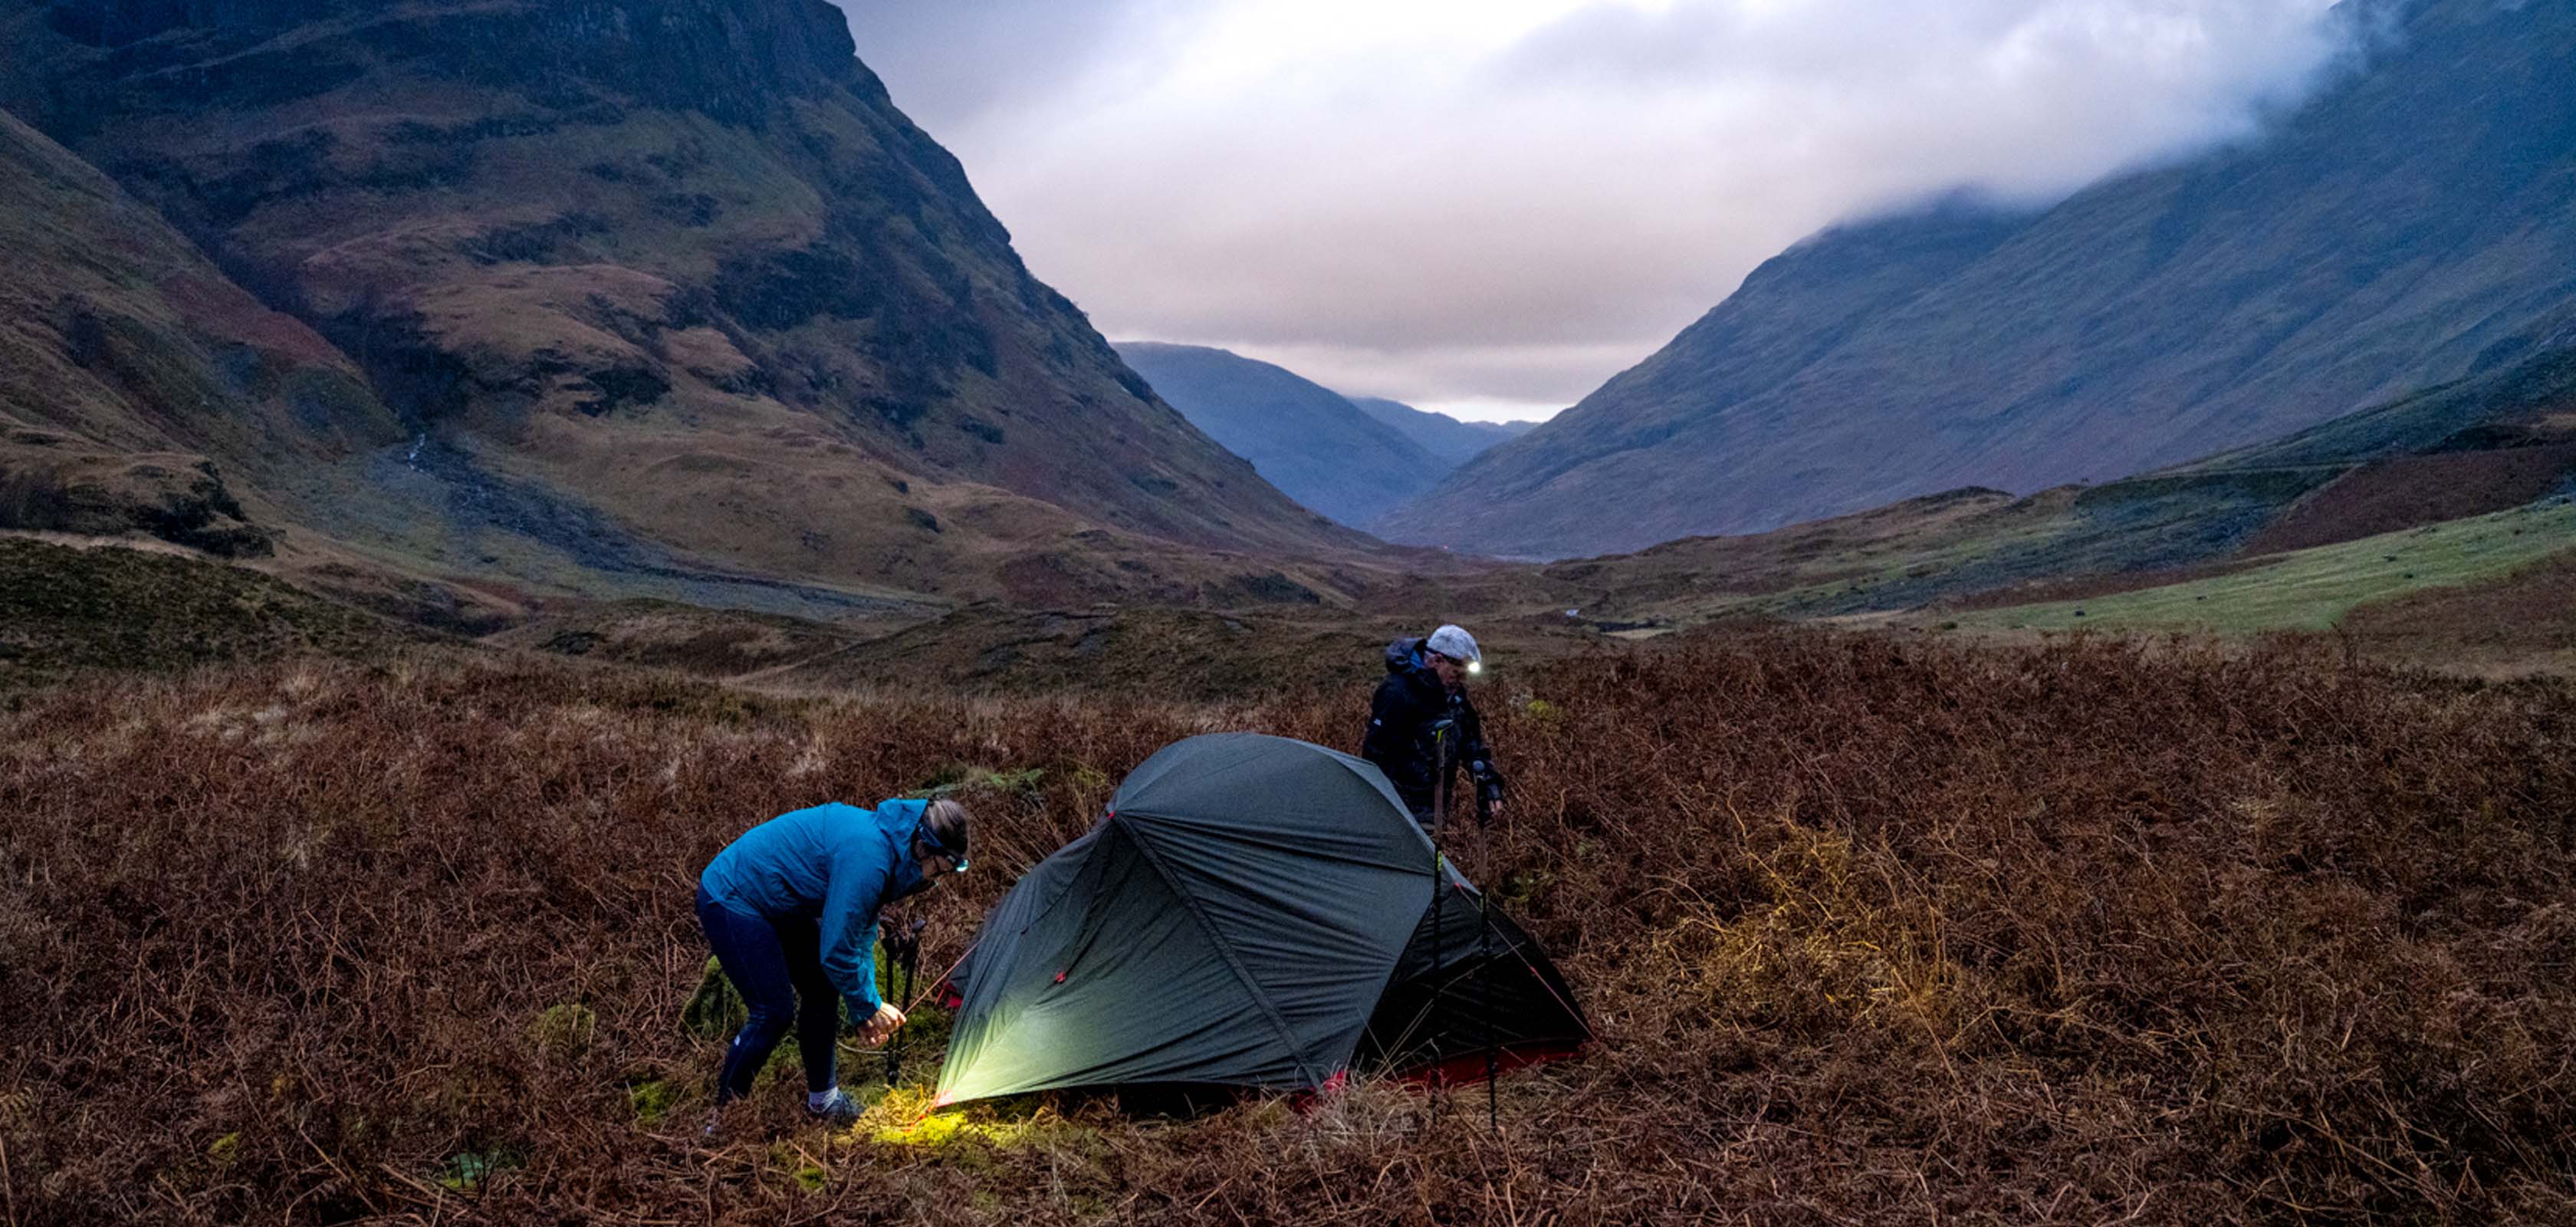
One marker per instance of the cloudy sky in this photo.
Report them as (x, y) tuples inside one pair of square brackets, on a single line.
[(1490, 206)]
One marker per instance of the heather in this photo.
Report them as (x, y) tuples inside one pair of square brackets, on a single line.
[(1872, 931)]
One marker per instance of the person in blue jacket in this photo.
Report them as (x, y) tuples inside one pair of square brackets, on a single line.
[(791, 910)]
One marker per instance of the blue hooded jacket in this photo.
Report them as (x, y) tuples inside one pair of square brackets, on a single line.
[(834, 864)]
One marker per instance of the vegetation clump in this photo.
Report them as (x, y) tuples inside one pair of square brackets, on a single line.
[(1873, 931), (564, 1031), (65, 609)]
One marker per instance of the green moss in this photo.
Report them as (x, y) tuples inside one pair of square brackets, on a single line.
[(653, 1100), (564, 1031), (972, 1136), (799, 1168), (715, 1011)]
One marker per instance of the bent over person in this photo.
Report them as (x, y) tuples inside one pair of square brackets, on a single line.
[(791, 910), (1422, 729)]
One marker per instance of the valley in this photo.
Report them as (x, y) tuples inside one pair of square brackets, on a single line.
[(2039, 712)]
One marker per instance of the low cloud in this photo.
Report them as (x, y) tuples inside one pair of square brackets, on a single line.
[(1493, 205)]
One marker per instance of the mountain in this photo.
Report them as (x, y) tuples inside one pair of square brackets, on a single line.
[(2460, 478), (2411, 225), (1307, 440), (137, 384), (1453, 441), (636, 298)]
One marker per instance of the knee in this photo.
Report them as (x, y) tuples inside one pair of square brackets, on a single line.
[(766, 1021)]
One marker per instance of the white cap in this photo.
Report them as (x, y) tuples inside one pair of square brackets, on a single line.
[(1455, 643)]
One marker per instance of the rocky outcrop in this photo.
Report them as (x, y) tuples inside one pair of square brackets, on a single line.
[(49, 483)]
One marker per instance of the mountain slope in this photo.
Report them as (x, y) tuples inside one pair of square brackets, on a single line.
[(1453, 441), (1307, 440), (653, 288), (2500, 444), (2407, 227), (140, 390)]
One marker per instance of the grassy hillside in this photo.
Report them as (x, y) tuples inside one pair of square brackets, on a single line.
[(141, 391), (2314, 589), (66, 609), (2475, 448), (1871, 934), (1942, 548)]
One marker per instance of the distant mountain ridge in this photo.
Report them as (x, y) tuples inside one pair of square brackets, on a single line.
[(2414, 224), (1317, 447), (636, 294), (1448, 438)]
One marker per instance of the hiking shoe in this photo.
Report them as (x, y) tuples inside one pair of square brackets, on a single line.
[(840, 1109)]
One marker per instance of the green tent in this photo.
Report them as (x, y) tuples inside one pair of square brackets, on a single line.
[(1252, 912)]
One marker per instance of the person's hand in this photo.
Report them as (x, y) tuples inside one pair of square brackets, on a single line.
[(880, 1027), (1494, 809)]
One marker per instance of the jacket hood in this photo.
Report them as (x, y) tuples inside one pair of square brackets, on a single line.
[(900, 820), (1404, 656)]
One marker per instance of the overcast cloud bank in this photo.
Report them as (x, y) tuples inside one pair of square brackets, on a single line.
[(1487, 207)]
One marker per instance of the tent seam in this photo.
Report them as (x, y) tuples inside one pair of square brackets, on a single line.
[(1233, 962), (1386, 981), (1397, 963)]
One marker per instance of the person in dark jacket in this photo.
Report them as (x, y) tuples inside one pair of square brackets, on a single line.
[(791, 910), (1422, 727)]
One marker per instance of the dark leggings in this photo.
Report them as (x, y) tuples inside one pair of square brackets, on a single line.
[(778, 968)]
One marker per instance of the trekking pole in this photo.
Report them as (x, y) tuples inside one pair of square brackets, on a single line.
[(894, 980), (1439, 814), (1485, 989), (905, 953)]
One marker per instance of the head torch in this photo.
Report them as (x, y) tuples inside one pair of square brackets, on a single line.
[(927, 836)]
